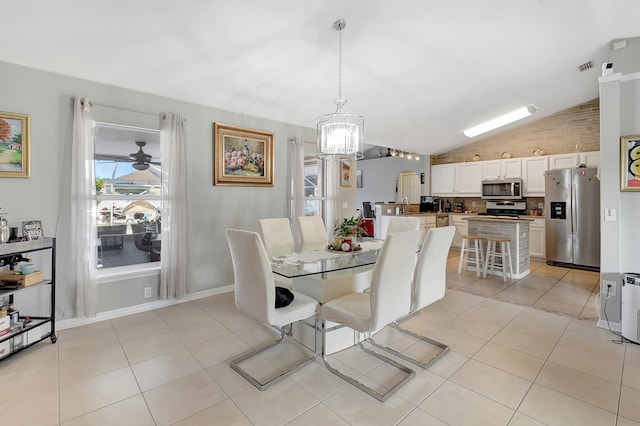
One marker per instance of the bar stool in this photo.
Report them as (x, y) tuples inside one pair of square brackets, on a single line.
[(476, 249), (504, 254)]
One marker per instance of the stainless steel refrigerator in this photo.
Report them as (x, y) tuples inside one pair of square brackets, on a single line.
[(572, 217)]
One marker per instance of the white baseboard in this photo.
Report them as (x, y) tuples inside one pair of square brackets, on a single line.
[(614, 326), (129, 310)]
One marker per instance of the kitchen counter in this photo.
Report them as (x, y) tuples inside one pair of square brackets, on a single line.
[(516, 229), (482, 218)]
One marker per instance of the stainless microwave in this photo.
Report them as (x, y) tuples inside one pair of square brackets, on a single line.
[(506, 189)]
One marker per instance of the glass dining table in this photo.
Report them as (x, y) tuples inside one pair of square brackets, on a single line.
[(325, 275), (318, 260)]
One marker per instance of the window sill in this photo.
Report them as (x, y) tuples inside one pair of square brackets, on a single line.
[(128, 272)]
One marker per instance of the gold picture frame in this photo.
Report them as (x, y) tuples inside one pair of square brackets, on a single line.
[(15, 146), (345, 173), (630, 163), (242, 157)]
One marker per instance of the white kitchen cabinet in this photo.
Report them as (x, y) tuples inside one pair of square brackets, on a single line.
[(568, 161), (563, 161), (537, 247), (426, 223), (501, 169), (591, 159), (533, 169), (458, 221), (443, 179), (468, 179)]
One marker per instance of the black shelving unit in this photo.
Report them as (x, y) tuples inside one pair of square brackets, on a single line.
[(40, 327)]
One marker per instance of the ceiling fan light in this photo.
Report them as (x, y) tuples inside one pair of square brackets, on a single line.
[(140, 166), (503, 120), (141, 159)]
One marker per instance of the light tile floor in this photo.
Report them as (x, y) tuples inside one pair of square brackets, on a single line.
[(514, 360)]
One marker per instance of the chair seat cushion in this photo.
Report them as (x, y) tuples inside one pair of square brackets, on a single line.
[(352, 310), (300, 308)]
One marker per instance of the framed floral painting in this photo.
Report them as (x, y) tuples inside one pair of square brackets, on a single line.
[(630, 163), (345, 173), (15, 147), (242, 157)]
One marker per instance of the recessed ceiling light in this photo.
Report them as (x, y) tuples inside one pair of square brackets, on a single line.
[(503, 120)]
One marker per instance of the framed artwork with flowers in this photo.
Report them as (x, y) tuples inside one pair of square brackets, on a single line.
[(15, 147), (242, 157)]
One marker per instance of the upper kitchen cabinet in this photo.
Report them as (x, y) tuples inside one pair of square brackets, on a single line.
[(443, 179), (568, 161), (591, 159), (501, 169), (533, 169), (468, 179)]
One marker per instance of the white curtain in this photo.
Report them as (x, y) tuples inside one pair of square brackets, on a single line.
[(173, 255), (77, 249), (296, 160), (332, 179)]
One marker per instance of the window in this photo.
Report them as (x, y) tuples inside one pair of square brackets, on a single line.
[(313, 187), (127, 169)]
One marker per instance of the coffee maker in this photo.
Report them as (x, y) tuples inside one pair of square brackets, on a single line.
[(430, 204)]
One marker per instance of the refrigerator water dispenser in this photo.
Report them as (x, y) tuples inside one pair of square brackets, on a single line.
[(558, 210), (631, 306)]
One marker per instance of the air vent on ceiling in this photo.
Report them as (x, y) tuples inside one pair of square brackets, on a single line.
[(585, 66)]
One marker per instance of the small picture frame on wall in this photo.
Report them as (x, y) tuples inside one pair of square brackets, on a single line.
[(345, 173), (15, 150), (359, 178), (630, 163)]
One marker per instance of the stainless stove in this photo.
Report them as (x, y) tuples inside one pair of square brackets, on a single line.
[(506, 208)]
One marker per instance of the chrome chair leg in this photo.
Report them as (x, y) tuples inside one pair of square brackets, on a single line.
[(371, 392), (420, 363), (235, 363)]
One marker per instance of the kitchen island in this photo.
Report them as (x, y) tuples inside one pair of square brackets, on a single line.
[(516, 229)]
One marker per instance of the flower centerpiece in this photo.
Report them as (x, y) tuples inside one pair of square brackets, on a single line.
[(347, 232)]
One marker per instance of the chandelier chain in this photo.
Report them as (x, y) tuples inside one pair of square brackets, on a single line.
[(340, 65)]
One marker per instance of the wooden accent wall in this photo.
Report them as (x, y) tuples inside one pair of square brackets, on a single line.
[(555, 134)]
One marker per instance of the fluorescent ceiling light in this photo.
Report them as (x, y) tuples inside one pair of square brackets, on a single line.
[(503, 120)]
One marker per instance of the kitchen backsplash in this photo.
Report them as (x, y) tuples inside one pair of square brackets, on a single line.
[(477, 205)]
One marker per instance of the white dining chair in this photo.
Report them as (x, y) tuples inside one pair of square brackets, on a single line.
[(276, 232), (402, 224), (255, 296), (312, 229), (389, 298), (429, 285)]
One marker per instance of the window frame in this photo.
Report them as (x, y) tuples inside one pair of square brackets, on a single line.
[(129, 271)]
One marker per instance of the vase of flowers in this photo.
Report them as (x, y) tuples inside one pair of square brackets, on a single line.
[(349, 227)]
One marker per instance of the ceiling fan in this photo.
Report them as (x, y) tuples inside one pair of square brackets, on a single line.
[(141, 158)]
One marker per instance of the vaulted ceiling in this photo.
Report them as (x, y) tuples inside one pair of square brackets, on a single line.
[(419, 71)]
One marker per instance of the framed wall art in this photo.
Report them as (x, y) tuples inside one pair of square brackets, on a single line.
[(345, 173), (242, 157), (15, 147), (359, 178), (630, 163)]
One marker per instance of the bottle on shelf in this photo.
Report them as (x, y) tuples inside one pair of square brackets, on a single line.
[(4, 230)]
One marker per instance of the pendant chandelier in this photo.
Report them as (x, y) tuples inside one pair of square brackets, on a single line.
[(340, 135)]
